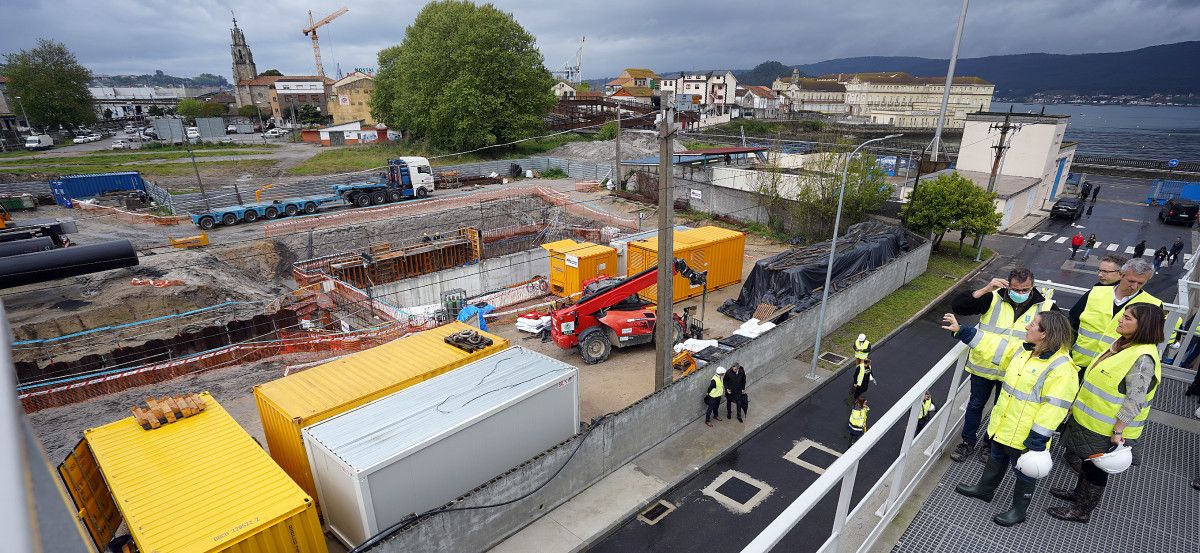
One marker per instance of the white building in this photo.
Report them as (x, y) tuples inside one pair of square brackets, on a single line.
[(1034, 169), (758, 101), (902, 100), (563, 89), (716, 89), (798, 94)]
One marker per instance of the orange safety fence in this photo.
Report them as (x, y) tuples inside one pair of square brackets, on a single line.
[(129, 216)]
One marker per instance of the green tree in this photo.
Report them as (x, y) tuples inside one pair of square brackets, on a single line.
[(818, 187), (308, 114), (271, 73), (189, 108), (583, 87), (465, 76), (249, 110), (607, 131), (213, 109), (155, 111), (951, 202), (51, 83)]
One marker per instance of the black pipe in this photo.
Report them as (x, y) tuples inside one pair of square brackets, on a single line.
[(29, 245), (31, 268)]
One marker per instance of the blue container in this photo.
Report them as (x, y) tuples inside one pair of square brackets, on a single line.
[(75, 187)]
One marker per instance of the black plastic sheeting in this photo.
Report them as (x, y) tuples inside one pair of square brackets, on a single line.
[(796, 276)]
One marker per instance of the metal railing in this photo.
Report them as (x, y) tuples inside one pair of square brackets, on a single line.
[(900, 479)]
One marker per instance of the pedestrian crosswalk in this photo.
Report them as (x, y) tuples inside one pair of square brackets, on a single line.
[(1105, 246)]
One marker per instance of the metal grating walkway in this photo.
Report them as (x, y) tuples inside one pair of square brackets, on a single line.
[(1170, 398), (1149, 508)]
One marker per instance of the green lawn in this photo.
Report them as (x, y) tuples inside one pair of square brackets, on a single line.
[(945, 268), (357, 158), (149, 170)]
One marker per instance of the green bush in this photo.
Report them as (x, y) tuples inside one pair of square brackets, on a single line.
[(608, 131), (554, 173)]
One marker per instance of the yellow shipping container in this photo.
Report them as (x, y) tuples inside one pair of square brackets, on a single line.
[(197, 485), (293, 402), (714, 249), (573, 263)]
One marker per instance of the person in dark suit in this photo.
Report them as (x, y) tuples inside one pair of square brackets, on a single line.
[(735, 391)]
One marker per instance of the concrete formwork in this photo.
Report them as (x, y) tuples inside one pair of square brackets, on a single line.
[(622, 436)]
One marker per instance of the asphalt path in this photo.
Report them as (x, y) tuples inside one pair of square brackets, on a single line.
[(699, 522)]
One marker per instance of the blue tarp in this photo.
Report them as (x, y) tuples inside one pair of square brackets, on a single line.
[(471, 310)]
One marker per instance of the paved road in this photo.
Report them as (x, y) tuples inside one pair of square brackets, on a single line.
[(701, 523)]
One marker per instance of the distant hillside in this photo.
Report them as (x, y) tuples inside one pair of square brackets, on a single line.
[(763, 74), (159, 79), (1164, 69)]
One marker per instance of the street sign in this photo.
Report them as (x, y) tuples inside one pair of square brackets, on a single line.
[(1173, 163)]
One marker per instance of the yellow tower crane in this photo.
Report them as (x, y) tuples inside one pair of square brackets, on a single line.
[(311, 31)]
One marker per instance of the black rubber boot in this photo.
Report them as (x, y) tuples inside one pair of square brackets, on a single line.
[(1085, 502), (1022, 495), (985, 489), (1068, 494)]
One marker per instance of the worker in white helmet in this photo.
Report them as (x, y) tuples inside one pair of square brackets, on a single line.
[(716, 391)]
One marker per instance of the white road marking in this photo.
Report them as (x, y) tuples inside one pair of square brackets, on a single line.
[(1030, 235), (1045, 238), (1060, 240), (1111, 247), (1098, 245), (1129, 250)]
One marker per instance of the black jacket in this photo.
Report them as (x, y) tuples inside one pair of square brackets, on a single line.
[(735, 383)]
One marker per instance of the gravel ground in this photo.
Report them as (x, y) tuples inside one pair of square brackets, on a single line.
[(634, 144)]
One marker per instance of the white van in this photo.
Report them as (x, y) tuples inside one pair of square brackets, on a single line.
[(39, 142)]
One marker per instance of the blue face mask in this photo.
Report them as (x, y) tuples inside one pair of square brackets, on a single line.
[(1018, 298)]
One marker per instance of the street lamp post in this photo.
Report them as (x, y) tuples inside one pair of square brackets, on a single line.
[(837, 222), (24, 115)]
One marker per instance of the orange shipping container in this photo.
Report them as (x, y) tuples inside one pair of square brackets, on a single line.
[(293, 402), (714, 249), (573, 263)]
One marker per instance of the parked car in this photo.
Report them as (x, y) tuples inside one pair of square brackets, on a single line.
[(274, 133), (129, 129), (121, 144), (1178, 210), (193, 133), (1071, 208), (95, 137), (81, 139)]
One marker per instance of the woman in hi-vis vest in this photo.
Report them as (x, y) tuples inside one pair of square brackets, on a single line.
[(1111, 409)]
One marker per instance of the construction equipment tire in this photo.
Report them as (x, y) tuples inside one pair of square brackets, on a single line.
[(594, 346)]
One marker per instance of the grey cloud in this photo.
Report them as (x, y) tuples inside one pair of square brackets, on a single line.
[(187, 38)]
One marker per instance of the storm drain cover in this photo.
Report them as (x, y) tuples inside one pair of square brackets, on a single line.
[(738, 491), (656, 512), (831, 357), (812, 455)]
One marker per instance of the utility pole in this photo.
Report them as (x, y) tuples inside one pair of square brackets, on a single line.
[(1000, 148), (617, 153), (665, 325), (188, 144), (937, 134)]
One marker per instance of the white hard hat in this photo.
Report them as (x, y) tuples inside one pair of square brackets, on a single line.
[(720, 370), (1114, 461), (1035, 464), (862, 337)]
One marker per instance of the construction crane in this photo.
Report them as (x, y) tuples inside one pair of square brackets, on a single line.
[(311, 31), (572, 73)]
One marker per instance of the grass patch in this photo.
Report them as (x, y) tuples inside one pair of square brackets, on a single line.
[(945, 269), (699, 144), (121, 157), (149, 170), (358, 158), (757, 229), (752, 127), (181, 191), (554, 173)]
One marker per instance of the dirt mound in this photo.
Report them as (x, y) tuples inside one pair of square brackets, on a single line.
[(634, 144)]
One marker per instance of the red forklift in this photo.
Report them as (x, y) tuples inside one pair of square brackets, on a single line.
[(611, 313)]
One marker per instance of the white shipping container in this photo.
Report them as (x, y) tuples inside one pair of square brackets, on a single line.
[(428, 444)]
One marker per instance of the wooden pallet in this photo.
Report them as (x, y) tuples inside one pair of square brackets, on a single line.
[(167, 410)]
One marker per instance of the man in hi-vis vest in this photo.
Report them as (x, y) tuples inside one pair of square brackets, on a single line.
[(1005, 307), (1096, 314)]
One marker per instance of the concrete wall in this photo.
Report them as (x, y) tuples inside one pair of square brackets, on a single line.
[(489, 274), (618, 439)]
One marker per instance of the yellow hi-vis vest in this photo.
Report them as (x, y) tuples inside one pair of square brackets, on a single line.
[(719, 389), (1034, 398), (1000, 321), (861, 348), (864, 372), (926, 407), (1098, 323), (1100, 397), (858, 418)]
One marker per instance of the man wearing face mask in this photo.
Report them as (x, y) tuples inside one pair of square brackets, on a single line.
[(1005, 308)]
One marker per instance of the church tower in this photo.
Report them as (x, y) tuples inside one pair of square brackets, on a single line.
[(243, 61)]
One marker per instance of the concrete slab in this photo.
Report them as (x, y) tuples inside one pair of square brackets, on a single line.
[(618, 494), (545, 534)]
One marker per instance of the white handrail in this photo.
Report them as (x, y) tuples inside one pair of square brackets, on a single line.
[(845, 467)]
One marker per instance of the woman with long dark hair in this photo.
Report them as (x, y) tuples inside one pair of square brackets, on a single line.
[(1111, 408)]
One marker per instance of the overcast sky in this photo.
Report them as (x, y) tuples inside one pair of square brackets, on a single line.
[(191, 37)]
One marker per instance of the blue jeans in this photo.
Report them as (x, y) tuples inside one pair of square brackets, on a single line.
[(1008, 456), (981, 388)]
